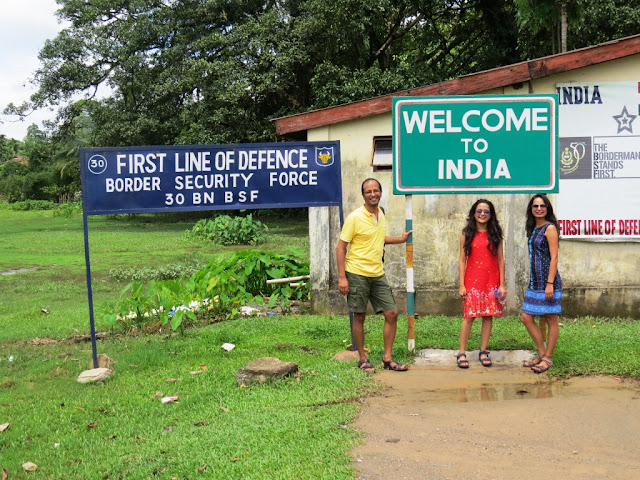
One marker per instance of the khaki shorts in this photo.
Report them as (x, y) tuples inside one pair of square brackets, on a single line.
[(363, 290)]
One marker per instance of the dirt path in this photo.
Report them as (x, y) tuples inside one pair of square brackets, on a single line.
[(504, 422)]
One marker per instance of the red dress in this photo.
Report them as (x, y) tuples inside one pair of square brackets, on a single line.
[(481, 278)]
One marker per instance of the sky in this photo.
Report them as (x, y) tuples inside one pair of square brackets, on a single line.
[(24, 27)]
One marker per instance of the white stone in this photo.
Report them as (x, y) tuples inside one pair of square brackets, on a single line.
[(94, 375)]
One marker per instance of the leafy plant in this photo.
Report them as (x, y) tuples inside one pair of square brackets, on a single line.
[(226, 230), (165, 272), (215, 292), (31, 205), (67, 209)]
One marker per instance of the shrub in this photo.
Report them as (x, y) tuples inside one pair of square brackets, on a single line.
[(31, 205), (67, 209), (174, 271), (215, 292), (226, 230)]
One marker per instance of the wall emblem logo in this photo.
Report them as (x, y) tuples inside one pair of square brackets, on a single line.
[(324, 156), (575, 157)]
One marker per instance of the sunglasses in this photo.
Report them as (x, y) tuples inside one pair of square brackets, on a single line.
[(480, 211), (541, 207)]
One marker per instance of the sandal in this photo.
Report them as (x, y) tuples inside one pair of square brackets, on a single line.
[(486, 361), (365, 366), (533, 362), (394, 366), (539, 368), (462, 363)]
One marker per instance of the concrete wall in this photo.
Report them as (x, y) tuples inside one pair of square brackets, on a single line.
[(600, 279)]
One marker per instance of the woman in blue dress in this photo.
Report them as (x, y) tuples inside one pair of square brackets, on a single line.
[(543, 296)]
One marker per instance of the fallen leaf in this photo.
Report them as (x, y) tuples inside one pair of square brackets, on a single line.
[(203, 468), (92, 425), (157, 395), (196, 372), (172, 380), (80, 408), (225, 410), (4, 426), (167, 430), (235, 459), (200, 424), (204, 367), (111, 437), (30, 466), (5, 474)]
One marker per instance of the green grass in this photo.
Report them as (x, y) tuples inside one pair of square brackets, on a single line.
[(299, 427)]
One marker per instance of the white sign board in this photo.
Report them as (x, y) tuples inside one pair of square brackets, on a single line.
[(599, 156)]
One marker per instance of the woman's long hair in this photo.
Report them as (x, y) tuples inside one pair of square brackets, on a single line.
[(549, 217), (494, 231)]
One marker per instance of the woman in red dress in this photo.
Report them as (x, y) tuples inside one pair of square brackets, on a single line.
[(481, 267)]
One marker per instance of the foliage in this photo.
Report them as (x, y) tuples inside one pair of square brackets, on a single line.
[(216, 292), (67, 209), (221, 79), (162, 272), (30, 205), (226, 230)]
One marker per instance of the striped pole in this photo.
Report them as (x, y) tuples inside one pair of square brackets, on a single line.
[(411, 334)]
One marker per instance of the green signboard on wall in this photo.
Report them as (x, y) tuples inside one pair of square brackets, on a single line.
[(475, 144)]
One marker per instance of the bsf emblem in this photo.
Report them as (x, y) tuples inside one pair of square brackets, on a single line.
[(324, 156), (571, 156)]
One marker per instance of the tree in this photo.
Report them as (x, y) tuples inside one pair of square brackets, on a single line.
[(218, 71), (9, 148)]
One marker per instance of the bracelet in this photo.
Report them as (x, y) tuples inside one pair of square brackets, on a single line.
[(550, 283)]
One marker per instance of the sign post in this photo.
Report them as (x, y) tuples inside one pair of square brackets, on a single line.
[(472, 144), (483, 144), (206, 177)]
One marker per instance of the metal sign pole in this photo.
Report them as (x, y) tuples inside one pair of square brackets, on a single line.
[(89, 290)]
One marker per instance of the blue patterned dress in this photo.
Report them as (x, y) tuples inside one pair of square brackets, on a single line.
[(535, 302)]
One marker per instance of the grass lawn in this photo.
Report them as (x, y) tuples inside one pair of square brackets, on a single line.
[(299, 427)]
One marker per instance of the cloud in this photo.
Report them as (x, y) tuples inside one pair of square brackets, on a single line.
[(25, 25)]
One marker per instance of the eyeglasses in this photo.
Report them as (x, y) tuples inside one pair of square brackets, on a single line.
[(480, 211), (541, 207)]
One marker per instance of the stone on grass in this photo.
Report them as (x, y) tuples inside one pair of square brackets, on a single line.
[(264, 369), (94, 375), (346, 356), (104, 361)]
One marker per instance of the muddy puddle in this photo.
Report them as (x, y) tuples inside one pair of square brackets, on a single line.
[(441, 422)]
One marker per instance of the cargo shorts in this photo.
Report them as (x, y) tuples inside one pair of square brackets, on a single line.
[(369, 289)]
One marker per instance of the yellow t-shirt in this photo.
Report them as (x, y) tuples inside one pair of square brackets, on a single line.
[(365, 237)]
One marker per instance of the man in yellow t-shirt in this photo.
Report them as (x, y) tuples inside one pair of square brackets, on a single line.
[(361, 273)]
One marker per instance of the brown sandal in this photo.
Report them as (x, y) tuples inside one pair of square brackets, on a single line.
[(394, 366), (532, 363), (539, 368), (464, 363), (365, 366)]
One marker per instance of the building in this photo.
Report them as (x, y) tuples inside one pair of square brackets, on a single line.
[(601, 274)]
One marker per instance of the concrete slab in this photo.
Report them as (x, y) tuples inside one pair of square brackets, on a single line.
[(501, 358)]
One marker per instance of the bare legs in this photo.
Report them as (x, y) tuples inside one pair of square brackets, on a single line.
[(536, 334), (465, 331), (388, 333), (357, 330)]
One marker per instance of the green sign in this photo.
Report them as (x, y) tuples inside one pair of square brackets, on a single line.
[(481, 144)]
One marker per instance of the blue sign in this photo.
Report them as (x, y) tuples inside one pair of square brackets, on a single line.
[(210, 177)]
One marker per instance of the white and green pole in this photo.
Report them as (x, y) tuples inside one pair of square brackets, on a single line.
[(411, 335)]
